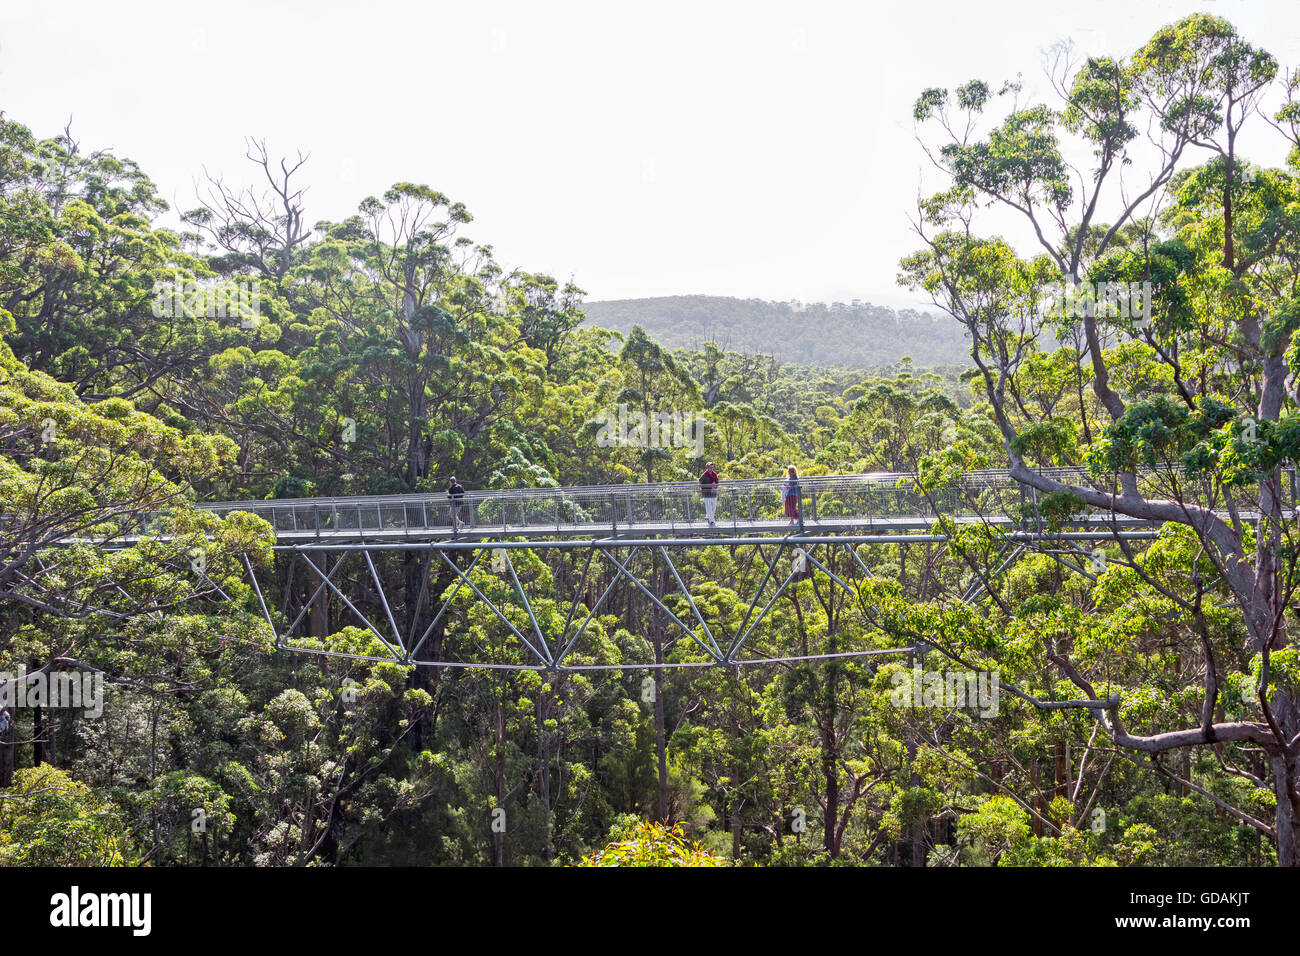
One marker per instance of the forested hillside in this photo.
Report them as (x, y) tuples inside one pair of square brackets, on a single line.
[(856, 334), (1138, 689)]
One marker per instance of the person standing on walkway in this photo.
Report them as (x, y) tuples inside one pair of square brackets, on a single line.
[(709, 492), (790, 494), (456, 492)]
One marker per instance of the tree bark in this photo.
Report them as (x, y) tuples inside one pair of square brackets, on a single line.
[(499, 837), (661, 734), (7, 752)]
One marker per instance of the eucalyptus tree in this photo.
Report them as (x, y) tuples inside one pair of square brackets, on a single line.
[(1191, 388), (81, 264), (104, 566), (260, 231), (653, 383)]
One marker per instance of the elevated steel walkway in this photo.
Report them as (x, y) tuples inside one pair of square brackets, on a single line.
[(868, 504)]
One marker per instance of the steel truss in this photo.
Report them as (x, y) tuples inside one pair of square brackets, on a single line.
[(554, 652)]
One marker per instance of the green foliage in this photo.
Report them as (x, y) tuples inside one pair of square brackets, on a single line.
[(653, 844), (391, 350), (48, 818)]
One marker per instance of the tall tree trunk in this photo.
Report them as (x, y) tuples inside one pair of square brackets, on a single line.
[(914, 778), (1061, 778), (830, 816), (1284, 820), (417, 461), (1039, 807), (38, 735), (7, 749), (544, 767), (661, 735), (733, 814), (830, 755), (499, 836)]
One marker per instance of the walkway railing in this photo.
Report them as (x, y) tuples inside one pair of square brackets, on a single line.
[(667, 506)]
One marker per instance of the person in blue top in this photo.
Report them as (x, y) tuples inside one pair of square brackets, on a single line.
[(790, 494)]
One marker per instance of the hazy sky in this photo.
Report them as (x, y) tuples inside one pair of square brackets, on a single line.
[(665, 148)]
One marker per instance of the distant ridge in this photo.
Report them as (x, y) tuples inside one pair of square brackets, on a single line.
[(855, 334)]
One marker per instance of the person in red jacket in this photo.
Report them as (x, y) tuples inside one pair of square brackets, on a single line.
[(709, 492)]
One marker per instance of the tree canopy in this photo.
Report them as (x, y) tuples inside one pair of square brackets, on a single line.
[(1137, 699)]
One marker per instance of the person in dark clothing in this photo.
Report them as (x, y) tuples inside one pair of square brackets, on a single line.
[(709, 492), (456, 492)]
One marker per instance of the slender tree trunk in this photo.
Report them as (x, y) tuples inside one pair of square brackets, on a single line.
[(499, 837), (544, 767), (1037, 779), (1061, 779), (661, 734), (914, 778), (53, 720), (417, 462), (38, 735), (830, 817), (733, 815), (7, 751), (661, 737), (1284, 822), (831, 753)]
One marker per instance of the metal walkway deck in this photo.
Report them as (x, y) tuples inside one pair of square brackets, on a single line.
[(614, 523), (870, 504)]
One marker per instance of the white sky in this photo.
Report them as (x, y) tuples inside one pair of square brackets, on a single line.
[(747, 149)]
